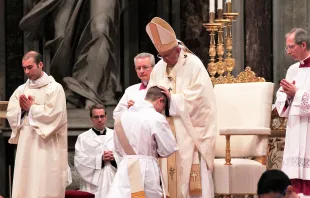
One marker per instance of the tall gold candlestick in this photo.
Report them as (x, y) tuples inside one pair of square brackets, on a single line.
[(212, 27), (229, 61), (221, 65)]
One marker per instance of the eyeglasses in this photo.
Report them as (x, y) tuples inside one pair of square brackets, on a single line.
[(167, 55), (290, 47), (97, 117), (145, 67)]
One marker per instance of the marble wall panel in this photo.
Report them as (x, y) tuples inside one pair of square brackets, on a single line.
[(2, 51), (258, 37), (14, 45), (192, 33)]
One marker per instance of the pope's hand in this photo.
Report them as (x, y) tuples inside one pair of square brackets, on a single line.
[(166, 92)]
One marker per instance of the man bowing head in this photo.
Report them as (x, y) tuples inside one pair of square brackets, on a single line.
[(186, 82), (37, 115)]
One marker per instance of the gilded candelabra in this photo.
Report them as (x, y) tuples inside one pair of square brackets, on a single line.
[(221, 65), (212, 27), (230, 62)]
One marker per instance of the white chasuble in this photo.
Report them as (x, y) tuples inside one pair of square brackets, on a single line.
[(41, 137), (193, 111), (296, 156)]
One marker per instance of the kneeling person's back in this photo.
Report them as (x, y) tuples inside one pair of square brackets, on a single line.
[(147, 137)]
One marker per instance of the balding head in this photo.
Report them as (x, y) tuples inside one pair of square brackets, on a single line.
[(37, 57), (32, 65)]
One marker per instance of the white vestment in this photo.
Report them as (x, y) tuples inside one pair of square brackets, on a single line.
[(89, 148), (131, 93), (150, 137), (296, 156), (41, 137), (193, 110)]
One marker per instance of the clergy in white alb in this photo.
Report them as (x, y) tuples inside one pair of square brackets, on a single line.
[(38, 118), (149, 137), (95, 160), (144, 63), (293, 102), (193, 114)]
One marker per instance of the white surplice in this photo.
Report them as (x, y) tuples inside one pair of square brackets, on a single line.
[(193, 110), (296, 156), (150, 136), (131, 93), (41, 136), (89, 149)]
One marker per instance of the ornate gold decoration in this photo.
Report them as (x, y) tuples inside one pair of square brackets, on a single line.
[(277, 123), (195, 187), (227, 156), (221, 65), (212, 27), (248, 76), (230, 62), (243, 77)]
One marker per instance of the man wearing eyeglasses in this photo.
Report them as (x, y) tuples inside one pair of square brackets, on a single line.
[(95, 160), (293, 102), (144, 63), (186, 82)]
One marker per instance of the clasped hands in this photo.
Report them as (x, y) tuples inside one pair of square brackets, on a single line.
[(25, 103), (288, 88), (107, 156)]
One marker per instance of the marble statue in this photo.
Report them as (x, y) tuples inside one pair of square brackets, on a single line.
[(81, 37)]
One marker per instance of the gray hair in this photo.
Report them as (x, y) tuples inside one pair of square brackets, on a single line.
[(145, 55), (301, 35)]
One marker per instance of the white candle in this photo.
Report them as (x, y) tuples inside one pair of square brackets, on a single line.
[(219, 4), (212, 6), (228, 0)]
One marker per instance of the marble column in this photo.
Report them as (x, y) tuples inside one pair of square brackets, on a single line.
[(258, 35), (287, 14)]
